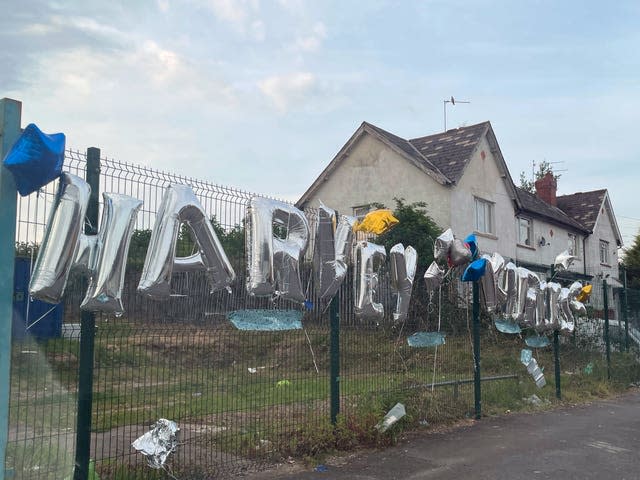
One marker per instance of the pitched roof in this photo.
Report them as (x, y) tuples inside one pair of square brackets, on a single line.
[(530, 203), (450, 151), (406, 147), (583, 206)]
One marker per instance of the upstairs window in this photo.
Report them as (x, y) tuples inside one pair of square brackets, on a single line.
[(484, 216), (525, 231), (604, 252), (573, 245)]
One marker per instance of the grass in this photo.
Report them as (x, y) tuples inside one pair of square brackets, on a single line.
[(200, 376)]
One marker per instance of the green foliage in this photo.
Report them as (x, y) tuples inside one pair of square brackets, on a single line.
[(631, 264), (544, 167), (416, 228)]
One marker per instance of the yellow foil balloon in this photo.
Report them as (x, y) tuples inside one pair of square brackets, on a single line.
[(378, 222), (585, 293)]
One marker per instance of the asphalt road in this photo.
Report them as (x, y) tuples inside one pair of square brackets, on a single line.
[(600, 441)]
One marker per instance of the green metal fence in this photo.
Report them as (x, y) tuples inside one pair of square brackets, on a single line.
[(244, 400)]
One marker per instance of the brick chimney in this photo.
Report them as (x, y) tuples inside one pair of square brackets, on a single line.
[(546, 189)]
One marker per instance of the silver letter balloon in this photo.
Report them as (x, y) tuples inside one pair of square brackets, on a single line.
[(273, 262), (332, 251), (404, 262), (368, 258), (181, 206), (103, 256)]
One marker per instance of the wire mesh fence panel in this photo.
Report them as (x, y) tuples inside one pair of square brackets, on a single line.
[(244, 398)]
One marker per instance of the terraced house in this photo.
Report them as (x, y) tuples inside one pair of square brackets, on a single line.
[(463, 177)]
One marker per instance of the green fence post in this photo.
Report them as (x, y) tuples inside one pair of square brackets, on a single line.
[(625, 308), (607, 338), (87, 335), (334, 347), (556, 362), (477, 377), (10, 118)]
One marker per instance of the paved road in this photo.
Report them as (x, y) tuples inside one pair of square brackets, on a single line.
[(599, 441)]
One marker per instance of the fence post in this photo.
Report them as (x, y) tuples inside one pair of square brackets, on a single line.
[(556, 340), (607, 339), (334, 347), (10, 118), (87, 335), (477, 378), (625, 307)]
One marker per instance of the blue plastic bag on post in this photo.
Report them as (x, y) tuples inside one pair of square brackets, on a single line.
[(35, 159)]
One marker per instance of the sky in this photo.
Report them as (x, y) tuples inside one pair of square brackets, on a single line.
[(261, 95)]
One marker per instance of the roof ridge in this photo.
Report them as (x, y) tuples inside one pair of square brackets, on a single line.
[(582, 193), (451, 130)]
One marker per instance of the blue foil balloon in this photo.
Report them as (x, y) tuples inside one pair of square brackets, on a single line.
[(475, 270), (35, 159)]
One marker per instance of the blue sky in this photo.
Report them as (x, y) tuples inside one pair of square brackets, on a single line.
[(261, 95)]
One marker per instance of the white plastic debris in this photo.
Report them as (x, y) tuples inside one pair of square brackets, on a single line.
[(158, 443), (526, 357), (392, 416)]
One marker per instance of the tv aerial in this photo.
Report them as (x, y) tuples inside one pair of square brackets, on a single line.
[(452, 101)]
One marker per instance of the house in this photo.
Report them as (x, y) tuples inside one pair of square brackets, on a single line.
[(463, 177)]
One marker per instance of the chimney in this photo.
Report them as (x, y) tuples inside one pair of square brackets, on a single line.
[(546, 189)]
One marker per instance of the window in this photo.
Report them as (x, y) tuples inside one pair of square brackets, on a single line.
[(604, 252), (524, 231), (484, 216), (360, 211), (573, 245)]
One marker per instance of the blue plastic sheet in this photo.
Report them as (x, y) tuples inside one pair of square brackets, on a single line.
[(507, 326), (266, 320), (35, 159), (537, 341), (475, 270), (426, 339)]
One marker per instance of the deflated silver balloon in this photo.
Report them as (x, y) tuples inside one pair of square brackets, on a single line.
[(566, 320), (368, 258), (577, 307), (553, 296), (108, 259), (433, 278), (460, 253), (542, 323), (61, 239), (442, 245), (403, 270), (332, 248), (492, 296), (563, 261), (510, 286), (181, 206), (273, 263)]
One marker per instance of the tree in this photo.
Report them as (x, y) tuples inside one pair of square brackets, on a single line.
[(416, 228), (631, 264), (544, 167)]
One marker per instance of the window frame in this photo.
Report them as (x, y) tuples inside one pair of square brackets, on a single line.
[(529, 227), (366, 207), (488, 207), (576, 251), (604, 252)]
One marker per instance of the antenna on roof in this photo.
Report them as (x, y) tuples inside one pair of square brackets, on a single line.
[(452, 101)]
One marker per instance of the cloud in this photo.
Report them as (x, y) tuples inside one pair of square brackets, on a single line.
[(312, 41), (286, 90), (163, 5)]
